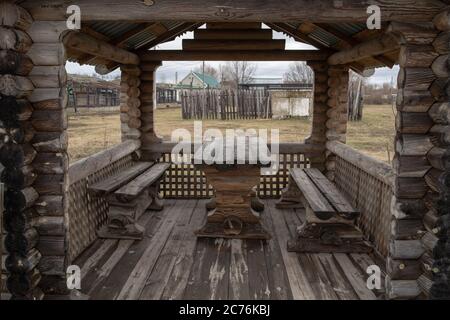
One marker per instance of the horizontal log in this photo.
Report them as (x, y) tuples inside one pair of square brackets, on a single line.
[(232, 45), (440, 66), (51, 184), (410, 188), (20, 199), (374, 167), (403, 269), (17, 86), (50, 141), (51, 226), (23, 264), (14, 155), (440, 112), (47, 54), (407, 229), (413, 122), (21, 243), (47, 31), (442, 20), (233, 26), (415, 78), (51, 163), (51, 104), (416, 56), (439, 158), (214, 11), (45, 94), (85, 43), (234, 34), (48, 76), (413, 144), (414, 101), (49, 120), (385, 43), (406, 249), (53, 265), (402, 208), (23, 133), (24, 285), (52, 245), (425, 284), (437, 180), (440, 135), (19, 221), (413, 33), (430, 221), (18, 178), (410, 166), (402, 289), (429, 241), (269, 55), (50, 206), (14, 39), (87, 166), (15, 63), (440, 89), (14, 16), (441, 43)]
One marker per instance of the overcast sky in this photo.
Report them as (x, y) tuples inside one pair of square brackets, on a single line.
[(167, 72)]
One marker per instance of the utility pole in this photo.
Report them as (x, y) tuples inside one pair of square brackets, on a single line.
[(203, 72)]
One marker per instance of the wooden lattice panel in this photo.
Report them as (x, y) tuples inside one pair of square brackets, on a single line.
[(185, 181), (87, 213), (372, 197)]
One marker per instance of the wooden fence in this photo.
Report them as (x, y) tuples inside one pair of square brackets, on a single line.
[(226, 104)]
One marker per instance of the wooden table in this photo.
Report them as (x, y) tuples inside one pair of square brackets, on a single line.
[(235, 210)]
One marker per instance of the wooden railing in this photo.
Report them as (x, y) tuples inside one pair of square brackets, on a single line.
[(186, 181), (368, 184), (88, 213)]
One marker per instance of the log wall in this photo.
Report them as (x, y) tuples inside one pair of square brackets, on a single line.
[(420, 151), (49, 121), (17, 153)]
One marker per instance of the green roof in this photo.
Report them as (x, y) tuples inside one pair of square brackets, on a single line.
[(210, 81)]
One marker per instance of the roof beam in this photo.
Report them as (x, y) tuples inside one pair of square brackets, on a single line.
[(296, 34), (386, 43), (245, 10), (85, 43), (238, 55)]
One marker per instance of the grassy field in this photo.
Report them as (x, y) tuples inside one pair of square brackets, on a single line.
[(91, 133)]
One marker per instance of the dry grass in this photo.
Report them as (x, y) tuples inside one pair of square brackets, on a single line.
[(373, 135)]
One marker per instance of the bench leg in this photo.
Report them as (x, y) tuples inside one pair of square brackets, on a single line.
[(121, 227), (291, 197), (157, 202)]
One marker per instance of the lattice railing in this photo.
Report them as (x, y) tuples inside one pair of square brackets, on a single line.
[(86, 212), (367, 184), (186, 181)]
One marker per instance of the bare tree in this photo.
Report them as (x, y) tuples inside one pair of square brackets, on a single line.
[(298, 72), (239, 72), (209, 70)]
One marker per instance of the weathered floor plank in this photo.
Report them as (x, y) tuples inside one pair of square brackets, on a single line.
[(172, 263), (138, 277), (179, 276)]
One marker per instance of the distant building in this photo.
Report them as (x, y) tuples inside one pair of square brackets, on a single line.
[(196, 80), (288, 99)]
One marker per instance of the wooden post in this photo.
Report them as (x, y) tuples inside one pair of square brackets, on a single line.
[(49, 120), (419, 156), (17, 154), (147, 98), (319, 117), (439, 159)]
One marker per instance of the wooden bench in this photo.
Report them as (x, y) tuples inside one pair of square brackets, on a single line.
[(329, 224), (129, 194)]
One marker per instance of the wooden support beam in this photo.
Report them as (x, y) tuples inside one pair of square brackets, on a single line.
[(230, 45), (233, 25), (296, 34), (386, 43), (267, 55), (86, 43), (234, 34), (248, 11)]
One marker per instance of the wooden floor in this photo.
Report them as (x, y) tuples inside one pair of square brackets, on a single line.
[(171, 263)]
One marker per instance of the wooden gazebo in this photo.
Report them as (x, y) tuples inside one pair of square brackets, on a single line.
[(51, 220)]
